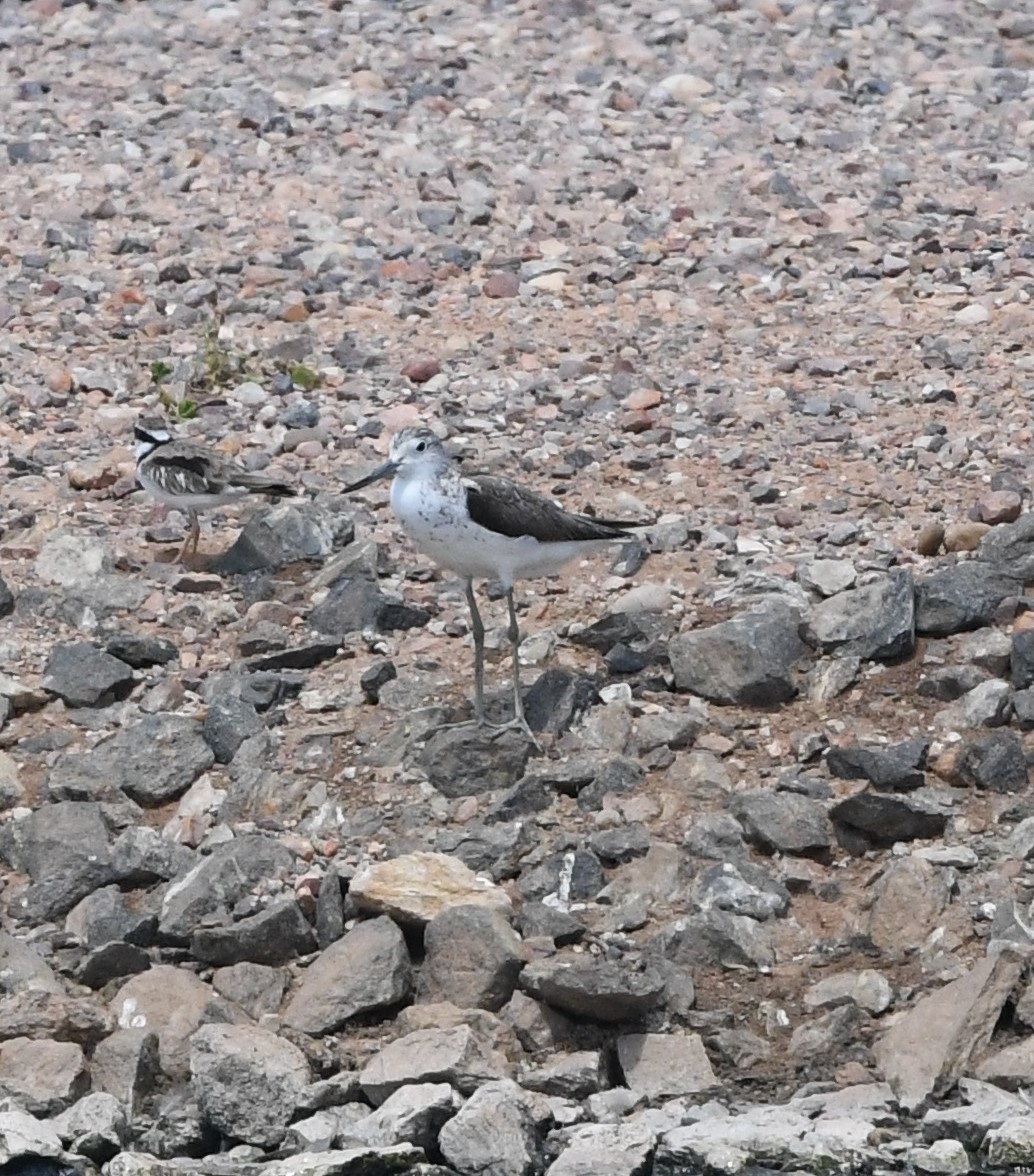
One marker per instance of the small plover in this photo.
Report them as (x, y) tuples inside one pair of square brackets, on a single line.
[(192, 477)]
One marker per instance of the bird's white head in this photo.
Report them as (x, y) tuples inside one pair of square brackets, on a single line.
[(414, 453), (149, 433)]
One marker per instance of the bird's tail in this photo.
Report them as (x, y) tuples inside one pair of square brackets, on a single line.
[(260, 484)]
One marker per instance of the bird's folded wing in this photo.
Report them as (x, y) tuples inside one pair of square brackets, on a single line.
[(181, 473), (506, 508)]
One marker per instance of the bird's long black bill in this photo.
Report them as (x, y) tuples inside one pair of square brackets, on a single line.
[(385, 471)]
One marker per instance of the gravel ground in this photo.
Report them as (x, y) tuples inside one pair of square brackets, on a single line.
[(758, 274)]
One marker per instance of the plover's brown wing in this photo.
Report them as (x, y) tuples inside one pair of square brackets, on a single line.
[(506, 508)]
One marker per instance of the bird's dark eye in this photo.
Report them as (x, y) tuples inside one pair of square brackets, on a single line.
[(421, 446)]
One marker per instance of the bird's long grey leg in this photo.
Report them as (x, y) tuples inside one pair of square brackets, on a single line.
[(477, 629), (514, 634)]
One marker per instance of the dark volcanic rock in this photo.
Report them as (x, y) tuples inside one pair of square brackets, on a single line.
[(469, 761), (229, 721), (896, 768), (875, 622), (598, 990), (1021, 659), (283, 534), (748, 660), (962, 597), (275, 936), (151, 761), (357, 603), (882, 818), (6, 599), (556, 700), (1009, 549), (80, 674), (472, 959), (65, 849), (140, 650), (995, 762), (220, 881), (784, 822)]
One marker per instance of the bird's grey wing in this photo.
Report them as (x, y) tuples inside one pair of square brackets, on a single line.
[(502, 506)]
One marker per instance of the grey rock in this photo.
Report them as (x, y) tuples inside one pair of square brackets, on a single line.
[(141, 650), (717, 937), (934, 1042), (832, 676), (22, 968), (413, 1114), (354, 603), (896, 768), (284, 534), (1009, 549), (740, 889), (112, 961), (989, 649), (1021, 659), (462, 761), (785, 1138), (827, 1035), (557, 699), (247, 1081), (996, 762), (354, 1161), (6, 598), (494, 1131), (962, 597), (783, 822), (256, 988), (460, 1056), (539, 919), (675, 729), (880, 819), (126, 1065), (615, 846), (24, 1137), (65, 849), (566, 877), (274, 936), (988, 704), (228, 722), (600, 990), (40, 1013), (623, 1148), (573, 1075), (94, 1127), (366, 971), (950, 682), (875, 622), (1023, 709), (45, 1077), (140, 856), (218, 882), (171, 1002), (330, 910), (868, 989), (151, 761), (983, 1108), (472, 958), (827, 577), (80, 674), (748, 660), (664, 1065)]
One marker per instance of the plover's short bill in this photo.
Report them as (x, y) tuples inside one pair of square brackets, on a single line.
[(484, 528), (193, 477)]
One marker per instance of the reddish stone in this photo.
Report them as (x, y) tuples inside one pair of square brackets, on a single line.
[(501, 285), (421, 370)]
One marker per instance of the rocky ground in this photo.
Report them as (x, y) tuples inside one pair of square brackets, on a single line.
[(758, 274)]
